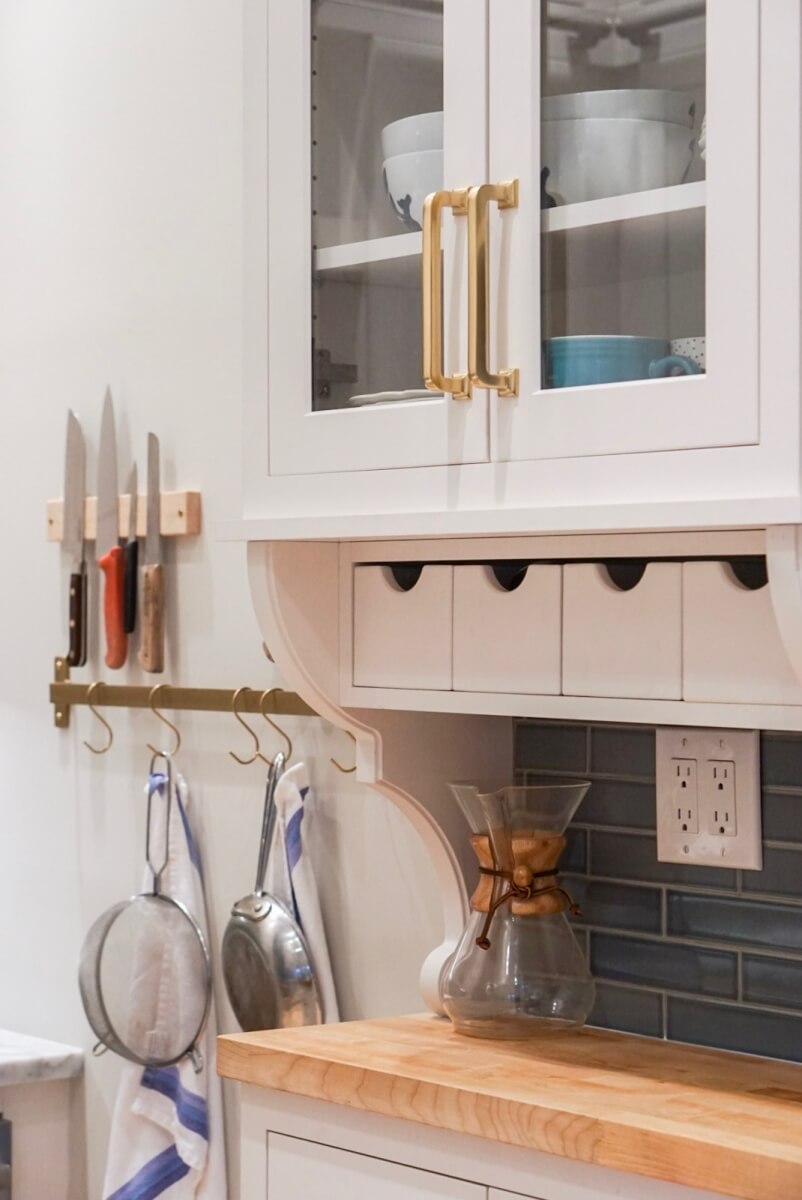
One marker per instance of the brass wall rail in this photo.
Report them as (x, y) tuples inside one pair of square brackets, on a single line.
[(64, 695)]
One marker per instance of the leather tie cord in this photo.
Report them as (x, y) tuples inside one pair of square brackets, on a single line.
[(516, 891)]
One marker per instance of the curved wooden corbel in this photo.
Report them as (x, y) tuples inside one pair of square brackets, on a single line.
[(784, 566), (407, 756)]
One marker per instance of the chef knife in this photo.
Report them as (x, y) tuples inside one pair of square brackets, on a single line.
[(73, 540), (131, 557), (110, 557), (151, 650)]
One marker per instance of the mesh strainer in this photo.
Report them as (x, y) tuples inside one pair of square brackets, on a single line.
[(145, 973)]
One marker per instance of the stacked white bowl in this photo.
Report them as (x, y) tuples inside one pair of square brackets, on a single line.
[(597, 144), (413, 164)]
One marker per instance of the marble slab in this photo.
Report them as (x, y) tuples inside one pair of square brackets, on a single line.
[(26, 1059)]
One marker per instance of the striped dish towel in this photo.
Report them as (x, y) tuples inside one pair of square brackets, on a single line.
[(167, 1136), (291, 879)]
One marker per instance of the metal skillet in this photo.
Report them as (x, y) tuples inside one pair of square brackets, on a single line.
[(267, 969)]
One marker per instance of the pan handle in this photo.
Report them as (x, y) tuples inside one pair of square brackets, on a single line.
[(268, 822)]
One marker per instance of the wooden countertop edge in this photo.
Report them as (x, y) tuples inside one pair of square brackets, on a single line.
[(738, 1171)]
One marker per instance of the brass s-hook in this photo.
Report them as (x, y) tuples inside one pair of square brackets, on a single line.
[(176, 732), (104, 749), (339, 766), (257, 753), (264, 697)]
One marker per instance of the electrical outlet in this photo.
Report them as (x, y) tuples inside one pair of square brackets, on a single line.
[(713, 820), (686, 794), (719, 796)]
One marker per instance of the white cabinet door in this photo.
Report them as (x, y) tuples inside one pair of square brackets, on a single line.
[(648, 262), (298, 1169), (344, 310)]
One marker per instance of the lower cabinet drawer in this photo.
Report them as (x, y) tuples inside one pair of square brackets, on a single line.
[(402, 638), (300, 1170), (622, 641), (732, 652), (507, 640)]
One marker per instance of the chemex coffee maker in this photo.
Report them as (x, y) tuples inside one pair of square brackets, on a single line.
[(518, 970)]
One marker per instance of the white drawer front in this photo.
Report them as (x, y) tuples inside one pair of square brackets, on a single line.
[(622, 643), (507, 641), (300, 1170), (732, 647), (402, 639)]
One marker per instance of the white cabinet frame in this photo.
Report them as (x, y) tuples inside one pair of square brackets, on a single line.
[(440, 430)]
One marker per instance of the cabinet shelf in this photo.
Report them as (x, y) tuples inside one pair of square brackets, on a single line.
[(394, 261), (631, 207)]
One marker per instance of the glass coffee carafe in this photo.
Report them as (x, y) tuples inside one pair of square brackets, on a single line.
[(518, 970)]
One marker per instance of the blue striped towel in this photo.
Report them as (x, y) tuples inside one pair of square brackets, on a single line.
[(167, 1129), (291, 878)]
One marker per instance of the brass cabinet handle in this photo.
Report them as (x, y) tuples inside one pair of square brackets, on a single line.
[(479, 198), (457, 385)]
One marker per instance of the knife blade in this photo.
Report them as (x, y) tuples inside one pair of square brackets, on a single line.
[(109, 553), (73, 541), (131, 551), (151, 650)]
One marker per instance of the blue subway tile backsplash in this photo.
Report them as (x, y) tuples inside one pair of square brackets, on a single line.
[(628, 1010), (694, 954), (664, 964)]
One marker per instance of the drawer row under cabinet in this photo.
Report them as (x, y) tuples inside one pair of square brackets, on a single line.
[(683, 631)]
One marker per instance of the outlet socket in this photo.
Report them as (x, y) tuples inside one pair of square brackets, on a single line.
[(721, 772), (686, 794), (719, 798)]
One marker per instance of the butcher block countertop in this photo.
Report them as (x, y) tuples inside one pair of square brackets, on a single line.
[(723, 1122)]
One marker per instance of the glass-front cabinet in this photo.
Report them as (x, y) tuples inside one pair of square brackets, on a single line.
[(507, 230), (626, 286), (374, 105)]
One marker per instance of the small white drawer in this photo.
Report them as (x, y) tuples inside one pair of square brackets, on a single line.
[(507, 641), (733, 651), (402, 639), (622, 643)]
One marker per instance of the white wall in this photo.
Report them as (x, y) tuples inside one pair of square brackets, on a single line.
[(120, 263)]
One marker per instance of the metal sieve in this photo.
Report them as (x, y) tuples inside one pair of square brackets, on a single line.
[(145, 973)]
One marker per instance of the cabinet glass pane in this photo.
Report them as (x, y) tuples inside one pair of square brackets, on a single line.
[(374, 63), (622, 190)]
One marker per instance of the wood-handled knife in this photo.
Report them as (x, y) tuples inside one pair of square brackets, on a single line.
[(109, 552), (74, 495), (151, 649)]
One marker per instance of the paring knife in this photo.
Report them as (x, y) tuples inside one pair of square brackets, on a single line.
[(151, 650), (110, 557), (74, 495), (131, 558)]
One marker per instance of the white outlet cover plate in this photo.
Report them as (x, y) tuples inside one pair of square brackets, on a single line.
[(707, 848)]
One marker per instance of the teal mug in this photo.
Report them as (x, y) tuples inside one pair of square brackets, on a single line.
[(584, 361)]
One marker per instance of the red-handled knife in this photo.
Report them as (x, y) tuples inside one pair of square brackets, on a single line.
[(110, 554)]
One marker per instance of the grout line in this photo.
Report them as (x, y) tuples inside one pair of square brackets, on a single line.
[(664, 1013), (594, 776), (640, 830), (664, 912)]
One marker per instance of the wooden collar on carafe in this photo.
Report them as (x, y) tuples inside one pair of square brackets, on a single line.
[(533, 876)]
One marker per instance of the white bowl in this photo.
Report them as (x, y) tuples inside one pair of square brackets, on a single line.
[(413, 134), (409, 179), (648, 104), (594, 157)]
